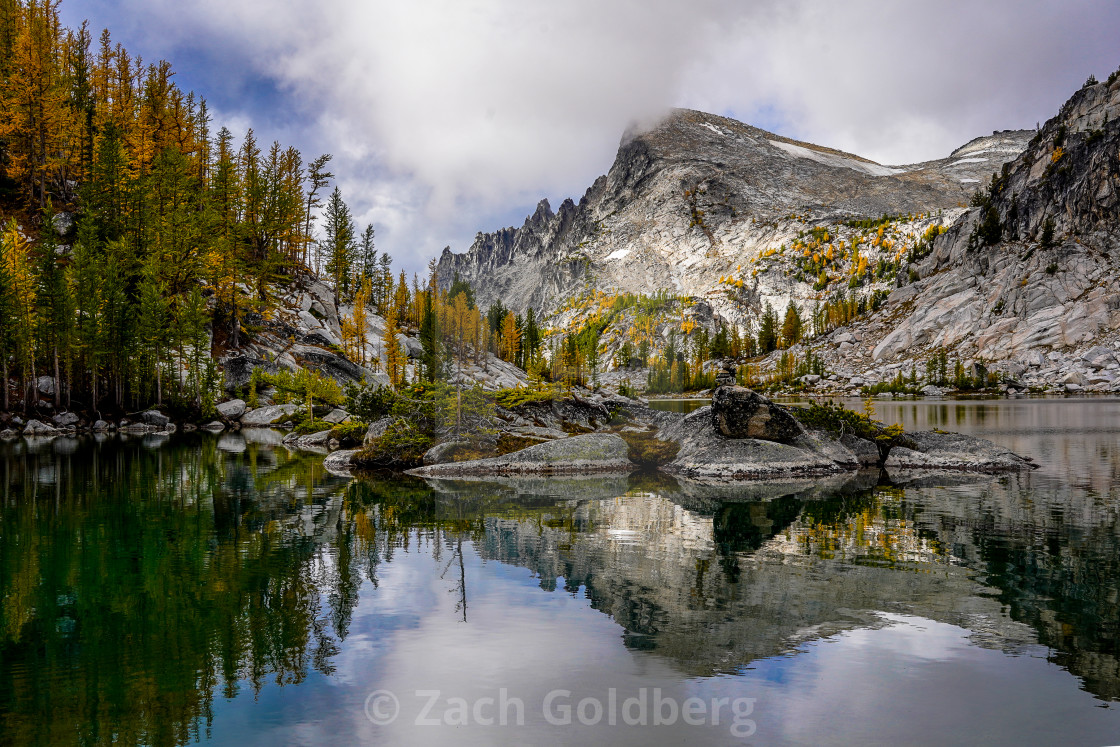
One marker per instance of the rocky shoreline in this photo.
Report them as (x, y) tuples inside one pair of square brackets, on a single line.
[(741, 436)]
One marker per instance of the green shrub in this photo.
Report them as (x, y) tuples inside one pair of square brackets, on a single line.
[(299, 385), (369, 402), (348, 434), (627, 390), (510, 398), (840, 421), (401, 446), (1047, 239), (311, 426)]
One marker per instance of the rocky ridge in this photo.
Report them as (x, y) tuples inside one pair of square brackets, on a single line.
[(697, 198), (718, 211)]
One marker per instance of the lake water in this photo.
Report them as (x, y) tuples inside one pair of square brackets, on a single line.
[(221, 590)]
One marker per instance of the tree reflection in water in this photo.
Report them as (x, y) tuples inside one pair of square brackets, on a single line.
[(139, 579)]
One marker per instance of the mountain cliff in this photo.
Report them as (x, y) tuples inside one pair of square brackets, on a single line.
[(1002, 251), (696, 198), (1033, 267)]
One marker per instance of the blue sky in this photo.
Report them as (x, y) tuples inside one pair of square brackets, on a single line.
[(447, 117)]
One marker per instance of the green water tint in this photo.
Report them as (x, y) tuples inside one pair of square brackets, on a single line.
[(679, 405), (136, 583), (165, 592)]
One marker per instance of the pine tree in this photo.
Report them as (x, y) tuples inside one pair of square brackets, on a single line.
[(84, 277), (768, 331), (721, 345), (532, 338), (8, 319), (430, 338), (318, 177), (338, 244), (367, 254), (495, 316), (53, 308)]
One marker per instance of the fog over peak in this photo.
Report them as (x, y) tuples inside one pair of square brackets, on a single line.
[(450, 116)]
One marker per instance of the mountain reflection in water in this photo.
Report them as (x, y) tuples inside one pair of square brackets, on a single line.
[(225, 588)]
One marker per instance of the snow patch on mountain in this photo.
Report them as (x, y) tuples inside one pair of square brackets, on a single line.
[(830, 159)]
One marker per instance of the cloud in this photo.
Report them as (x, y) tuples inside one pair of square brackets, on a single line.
[(906, 82), (450, 116)]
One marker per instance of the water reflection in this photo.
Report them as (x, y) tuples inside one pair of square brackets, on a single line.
[(222, 587), (137, 582)]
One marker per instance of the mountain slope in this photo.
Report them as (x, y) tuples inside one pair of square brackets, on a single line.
[(698, 198), (1031, 275), (1007, 251)]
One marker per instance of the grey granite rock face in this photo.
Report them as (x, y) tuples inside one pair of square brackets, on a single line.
[(588, 453), (154, 417), (738, 412), (39, 428), (688, 199), (65, 419), (338, 462), (232, 410), (954, 451), (268, 415), (239, 370), (705, 453), (377, 429), (697, 200)]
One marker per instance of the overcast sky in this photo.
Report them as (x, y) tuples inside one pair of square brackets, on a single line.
[(446, 117)]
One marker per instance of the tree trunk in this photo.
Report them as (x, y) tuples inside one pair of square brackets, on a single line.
[(57, 382)]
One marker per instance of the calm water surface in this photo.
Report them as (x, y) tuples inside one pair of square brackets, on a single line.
[(221, 590)]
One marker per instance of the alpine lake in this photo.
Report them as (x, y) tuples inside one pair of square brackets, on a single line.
[(224, 590)]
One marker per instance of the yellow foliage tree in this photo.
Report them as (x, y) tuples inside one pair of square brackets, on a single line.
[(511, 337), (394, 359)]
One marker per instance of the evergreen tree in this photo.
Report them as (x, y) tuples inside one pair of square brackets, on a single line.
[(768, 331), (495, 316), (7, 318), (318, 177), (53, 309), (152, 327), (460, 286), (430, 339), (532, 336), (367, 254), (338, 244), (721, 346)]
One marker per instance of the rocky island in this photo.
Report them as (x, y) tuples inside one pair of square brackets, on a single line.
[(740, 436)]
